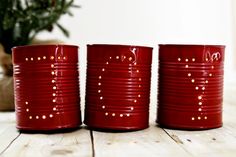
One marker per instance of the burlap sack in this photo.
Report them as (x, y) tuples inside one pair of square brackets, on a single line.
[(6, 94), (6, 82)]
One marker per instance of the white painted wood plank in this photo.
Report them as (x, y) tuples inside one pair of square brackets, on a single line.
[(7, 135), (151, 142), (201, 143), (73, 144), (8, 131), (3, 126), (7, 117), (214, 142)]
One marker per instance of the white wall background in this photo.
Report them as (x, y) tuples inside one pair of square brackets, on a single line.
[(149, 23)]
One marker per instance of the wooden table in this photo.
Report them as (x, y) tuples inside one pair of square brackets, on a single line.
[(151, 142)]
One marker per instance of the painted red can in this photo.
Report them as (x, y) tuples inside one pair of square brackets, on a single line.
[(46, 85), (118, 87), (190, 90)]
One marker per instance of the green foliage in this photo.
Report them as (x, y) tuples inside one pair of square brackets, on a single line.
[(22, 20)]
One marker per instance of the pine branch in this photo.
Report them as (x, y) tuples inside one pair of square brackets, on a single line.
[(65, 32), (22, 20)]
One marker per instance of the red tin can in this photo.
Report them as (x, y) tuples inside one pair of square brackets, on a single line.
[(46, 82), (190, 93), (118, 87)]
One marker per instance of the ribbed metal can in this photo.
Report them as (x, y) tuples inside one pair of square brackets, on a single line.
[(118, 87), (190, 86), (46, 86)]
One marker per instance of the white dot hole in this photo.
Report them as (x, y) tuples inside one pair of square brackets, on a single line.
[(199, 97)]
